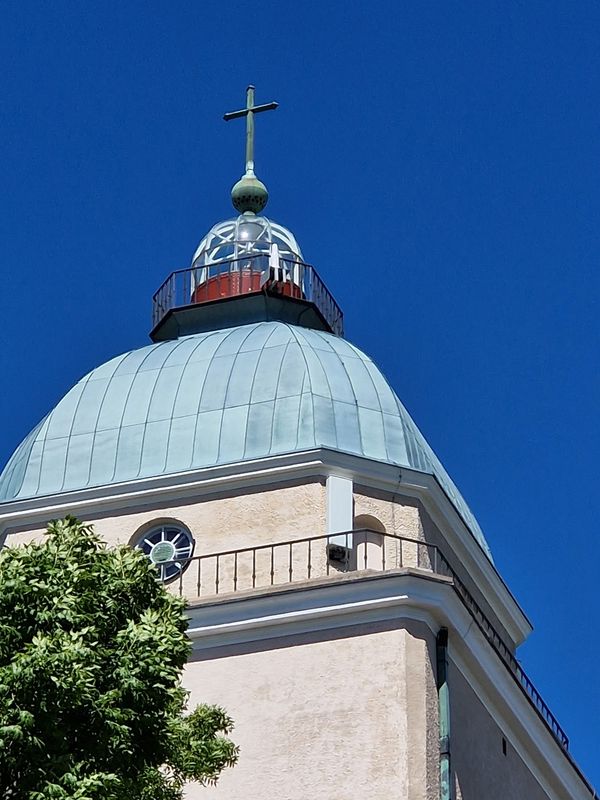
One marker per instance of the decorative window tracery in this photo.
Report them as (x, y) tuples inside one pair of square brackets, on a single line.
[(169, 546)]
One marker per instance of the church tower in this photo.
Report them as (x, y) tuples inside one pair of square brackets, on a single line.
[(343, 601)]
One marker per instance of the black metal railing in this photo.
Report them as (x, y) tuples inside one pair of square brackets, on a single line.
[(239, 276), (319, 557)]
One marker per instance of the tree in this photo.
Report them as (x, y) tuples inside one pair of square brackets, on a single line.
[(91, 652)]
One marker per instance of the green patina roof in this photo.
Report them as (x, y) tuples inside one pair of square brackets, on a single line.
[(218, 398)]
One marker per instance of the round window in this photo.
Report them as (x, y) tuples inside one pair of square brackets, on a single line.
[(169, 547)]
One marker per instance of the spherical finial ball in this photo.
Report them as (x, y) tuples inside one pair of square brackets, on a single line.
[(249, 194)]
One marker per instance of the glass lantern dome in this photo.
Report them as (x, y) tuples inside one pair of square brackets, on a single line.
[(242, 236)]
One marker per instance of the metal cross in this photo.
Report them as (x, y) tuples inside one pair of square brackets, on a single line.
[(249, 113)]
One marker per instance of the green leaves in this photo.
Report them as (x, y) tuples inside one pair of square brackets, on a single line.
[(91, 652)]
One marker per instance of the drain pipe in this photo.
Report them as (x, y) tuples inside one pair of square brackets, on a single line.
[(444, 714)]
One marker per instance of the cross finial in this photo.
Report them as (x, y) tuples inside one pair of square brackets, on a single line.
[(249, 113), (249, 194)]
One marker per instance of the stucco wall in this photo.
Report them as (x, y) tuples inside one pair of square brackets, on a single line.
[(404, 516), (398, 514), (218, 524), (221, 523), (481, 770), (334, 717)]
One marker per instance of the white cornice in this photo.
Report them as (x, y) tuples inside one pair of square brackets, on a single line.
[(309, 464), (402, 595), (424, 487), (320, 606), (167, 488)]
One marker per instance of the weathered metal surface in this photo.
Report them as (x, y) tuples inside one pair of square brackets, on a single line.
[(217, 398)]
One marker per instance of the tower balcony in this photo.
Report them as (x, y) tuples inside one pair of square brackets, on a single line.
[(210, 579), (243, 290)]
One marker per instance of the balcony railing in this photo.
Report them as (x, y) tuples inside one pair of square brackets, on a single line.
[(250, 275), (320, 557)]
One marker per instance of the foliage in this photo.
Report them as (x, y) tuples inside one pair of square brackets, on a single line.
[(91, 652)]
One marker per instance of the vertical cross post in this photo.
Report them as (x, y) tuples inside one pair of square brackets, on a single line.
[(250, 129)]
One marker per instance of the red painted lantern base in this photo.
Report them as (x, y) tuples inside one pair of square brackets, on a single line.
[(233, 284)]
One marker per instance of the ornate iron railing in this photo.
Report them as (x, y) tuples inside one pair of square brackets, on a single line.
[(319, 557), (240, 276)]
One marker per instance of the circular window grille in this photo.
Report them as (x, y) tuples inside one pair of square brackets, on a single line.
[(169, 547)]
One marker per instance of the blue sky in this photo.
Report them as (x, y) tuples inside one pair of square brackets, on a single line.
[(438, 162)]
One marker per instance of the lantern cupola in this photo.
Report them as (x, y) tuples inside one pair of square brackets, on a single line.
[(245, 270)]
